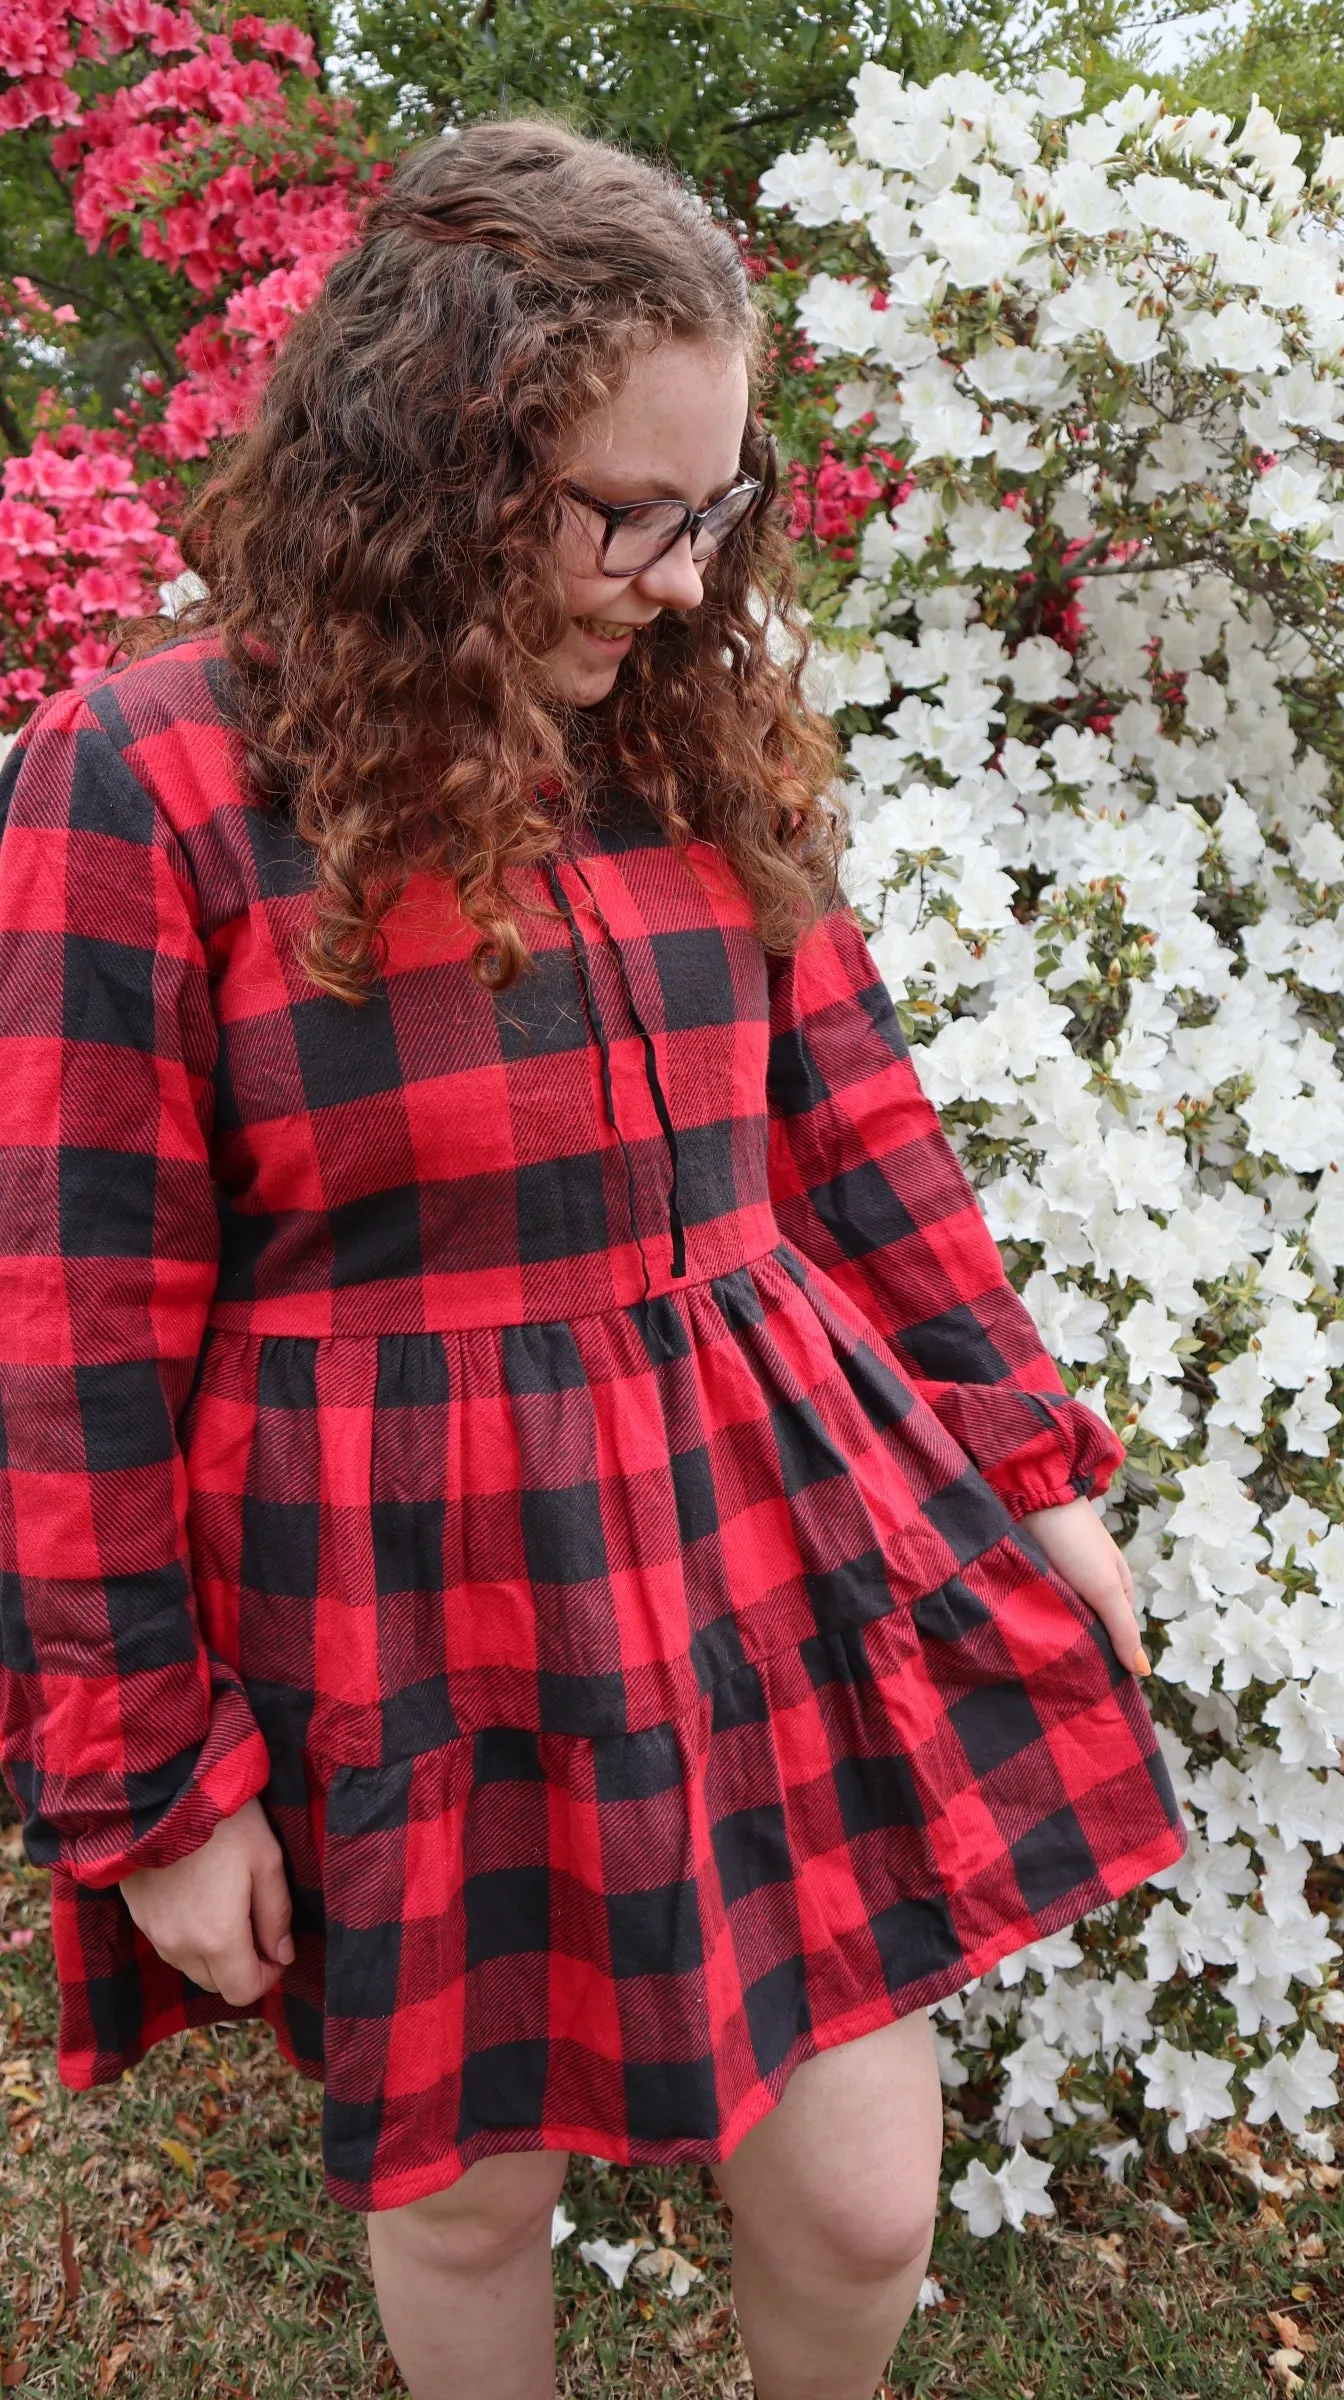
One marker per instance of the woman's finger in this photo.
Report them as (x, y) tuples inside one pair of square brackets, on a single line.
[(272, 1910), (192, 1964), (239, 1976), (1112, 1604)]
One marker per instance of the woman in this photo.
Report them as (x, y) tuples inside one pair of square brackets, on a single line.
[(543, 1553)]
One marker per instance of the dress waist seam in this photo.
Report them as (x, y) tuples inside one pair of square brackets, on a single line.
[(336, 1315)]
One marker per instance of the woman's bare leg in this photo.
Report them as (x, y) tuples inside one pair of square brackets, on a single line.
[(833, 2198), (464, 2282)]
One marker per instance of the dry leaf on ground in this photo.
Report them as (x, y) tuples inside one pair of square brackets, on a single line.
[(111, 2367), (71, 2270), (1290, 2333)]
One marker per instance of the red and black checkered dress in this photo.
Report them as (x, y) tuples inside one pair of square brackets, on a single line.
[(561, 1449)]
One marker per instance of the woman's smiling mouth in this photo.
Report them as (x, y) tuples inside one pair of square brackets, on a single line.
[(609, 633)]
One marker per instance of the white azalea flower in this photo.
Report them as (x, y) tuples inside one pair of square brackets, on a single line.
[(1212, 1509), (1087, 200), (1081, 758), (1123, 2011), (1039, 669), (1099, 306), (997, 538), (1242, 1392), (1012, 1207), (979, 2194), (1033, 2073), (976, 248), (1290, 1348), (1198, 218), (1241, 337), (1195, 1650), (1288, 497), (1061, 95), (1147, 1334), (1289, 2086), (1308, 1426), (1308, 1735), (1067, 1320), (817, 187), (835, 679), (914, 522), (1145, 1169), (1192, 2087), (1047, 1958), (1163, 1415), (1017, 2191)]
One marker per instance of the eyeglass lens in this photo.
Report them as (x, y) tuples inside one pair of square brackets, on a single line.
[(649, 530)]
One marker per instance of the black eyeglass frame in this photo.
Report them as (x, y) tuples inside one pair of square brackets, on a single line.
[(615, 513)]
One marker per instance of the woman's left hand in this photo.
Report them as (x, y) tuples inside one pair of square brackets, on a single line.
[(1081, 1550)]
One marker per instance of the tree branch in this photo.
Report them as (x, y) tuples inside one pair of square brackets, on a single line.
[(315, 37), (772, 116), (131, 301), (11, 429)]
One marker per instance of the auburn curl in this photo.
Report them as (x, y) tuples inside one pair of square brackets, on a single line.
[(379, 553)]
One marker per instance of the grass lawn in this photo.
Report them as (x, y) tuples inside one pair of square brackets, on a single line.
[(171, 2234)]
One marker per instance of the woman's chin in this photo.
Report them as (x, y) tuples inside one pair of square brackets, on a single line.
[(583, 682)]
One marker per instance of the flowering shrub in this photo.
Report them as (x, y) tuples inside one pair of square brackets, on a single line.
[(83, 540), (1090, 666), (830, 499), (213, 152)]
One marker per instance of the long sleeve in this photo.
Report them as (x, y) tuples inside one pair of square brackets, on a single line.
[(866, 1185), (123, 1739)]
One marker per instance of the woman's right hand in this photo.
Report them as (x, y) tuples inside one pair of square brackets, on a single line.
[(220, 1915)]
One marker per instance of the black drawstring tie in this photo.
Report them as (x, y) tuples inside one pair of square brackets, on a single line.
[(656, 1092), (597, 1027)]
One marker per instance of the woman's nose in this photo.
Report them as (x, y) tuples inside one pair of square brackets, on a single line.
[(673, 581)]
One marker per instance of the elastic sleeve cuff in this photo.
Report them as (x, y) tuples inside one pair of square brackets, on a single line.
[(1074, 1460), (230, 1768), (1035, 1449)]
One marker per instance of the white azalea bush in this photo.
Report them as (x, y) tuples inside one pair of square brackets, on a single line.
[(1090, 669)]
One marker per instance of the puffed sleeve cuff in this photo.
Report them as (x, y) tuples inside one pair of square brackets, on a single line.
[(1035, 1449), (175, 1805)]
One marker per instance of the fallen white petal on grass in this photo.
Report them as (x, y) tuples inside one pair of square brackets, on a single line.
[(679, 2272), (931, 2293), (1115, 2157), (1166, 2216), (614, 2258), (561, 2225)]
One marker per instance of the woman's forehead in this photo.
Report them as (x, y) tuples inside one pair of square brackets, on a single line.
[(675, 425)]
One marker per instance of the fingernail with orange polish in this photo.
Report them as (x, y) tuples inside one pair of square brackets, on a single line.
[(1142, 1664)]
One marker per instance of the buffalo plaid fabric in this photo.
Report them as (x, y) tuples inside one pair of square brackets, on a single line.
[(563, 1450)]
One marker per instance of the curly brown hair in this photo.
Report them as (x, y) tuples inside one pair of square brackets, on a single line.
[(380, 555)]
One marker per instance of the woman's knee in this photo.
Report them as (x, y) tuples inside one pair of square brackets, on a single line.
[(883, 2239), (501, 2206), (842, 2181), (836, 2236)]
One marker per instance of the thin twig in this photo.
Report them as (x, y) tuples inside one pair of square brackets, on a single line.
[(11, 428)]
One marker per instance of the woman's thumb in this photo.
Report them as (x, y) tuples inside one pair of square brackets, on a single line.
[(271, 1909)]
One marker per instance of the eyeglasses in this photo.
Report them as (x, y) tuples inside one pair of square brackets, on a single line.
[(639, 532)]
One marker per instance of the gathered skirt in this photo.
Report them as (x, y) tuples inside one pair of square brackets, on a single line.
[(653, 1700)]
